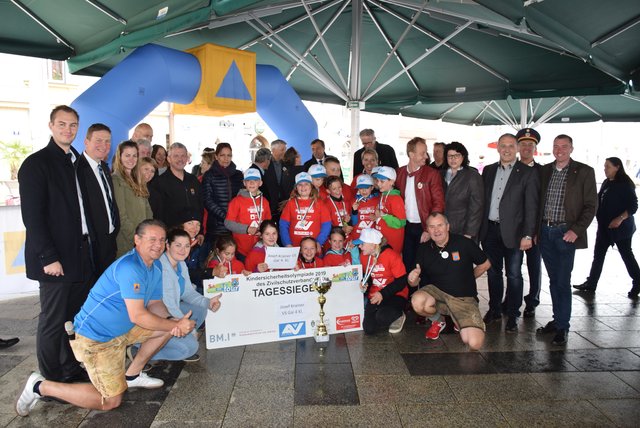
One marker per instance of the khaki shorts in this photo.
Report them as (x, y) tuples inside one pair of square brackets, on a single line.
[(463, 310), (104, 361)]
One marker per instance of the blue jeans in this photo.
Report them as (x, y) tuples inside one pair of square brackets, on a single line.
[(179, 348), (511, 258), (534, 266), (558, 257)]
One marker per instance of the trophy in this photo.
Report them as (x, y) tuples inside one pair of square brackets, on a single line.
[(322, 287)]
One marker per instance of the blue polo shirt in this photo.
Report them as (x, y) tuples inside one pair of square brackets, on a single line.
[(104, 314)]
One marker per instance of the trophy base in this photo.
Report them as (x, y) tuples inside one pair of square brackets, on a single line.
[(321, 339)]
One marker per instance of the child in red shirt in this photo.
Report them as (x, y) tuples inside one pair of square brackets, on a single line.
[(307, 258), (364, 208), (390, 215), (385, 279), (222, 260), (318, 175), (304, 215), (338, 255), (268, 238), (339, 205), (246, 211)]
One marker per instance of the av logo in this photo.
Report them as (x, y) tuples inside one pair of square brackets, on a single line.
[(304, 225), (292, 329)]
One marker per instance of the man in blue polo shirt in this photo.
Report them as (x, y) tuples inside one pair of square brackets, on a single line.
[(124, 307)]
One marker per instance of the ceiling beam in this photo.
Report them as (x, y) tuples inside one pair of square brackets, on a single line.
[(104, 9), (356, 55), (616, 32), (41, 23)]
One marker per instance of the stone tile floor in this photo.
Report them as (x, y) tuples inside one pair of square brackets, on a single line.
[(386, 380)]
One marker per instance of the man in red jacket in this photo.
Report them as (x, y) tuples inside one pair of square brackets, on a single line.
[(421, 187)]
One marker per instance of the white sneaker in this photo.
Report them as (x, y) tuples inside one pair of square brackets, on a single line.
[(28, 399), (145, 381), (396, 326)]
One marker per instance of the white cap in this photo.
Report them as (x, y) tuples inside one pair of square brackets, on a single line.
[(303, 177), (369, 236), (317, 171), (252, 174), (385, 173), (363, 181)]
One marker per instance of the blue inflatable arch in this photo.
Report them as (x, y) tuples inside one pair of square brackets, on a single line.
[(153, 74)]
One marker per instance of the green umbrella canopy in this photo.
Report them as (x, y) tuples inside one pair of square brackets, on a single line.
[(433, 59)]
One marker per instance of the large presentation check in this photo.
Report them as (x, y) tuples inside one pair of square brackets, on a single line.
[(272, 306)]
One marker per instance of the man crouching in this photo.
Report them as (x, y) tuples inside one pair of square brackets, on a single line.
[(449, 264), (124, 307)]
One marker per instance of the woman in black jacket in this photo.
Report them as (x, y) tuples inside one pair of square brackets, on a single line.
[(463, 192), (220, 184), (617, 202)]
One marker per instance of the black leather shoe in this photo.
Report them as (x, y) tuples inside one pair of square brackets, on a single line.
[(8, 342), (529, 312), (549, 328), (635, 291), (512, 325), (585, 286), (80, 377), (560, 338), (490, 317)]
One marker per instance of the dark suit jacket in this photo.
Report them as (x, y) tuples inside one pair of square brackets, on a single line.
[(580, 200), (103, 243), (518, 205), (310, 162), (273, 190), (51, 214), (386, 157)]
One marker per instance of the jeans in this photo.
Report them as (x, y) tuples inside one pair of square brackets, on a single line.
[(600, 251), (498, 253), (179, 348), (558, 257), (534, 265)]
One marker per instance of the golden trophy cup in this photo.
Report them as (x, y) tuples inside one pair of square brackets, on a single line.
[(322, 287)]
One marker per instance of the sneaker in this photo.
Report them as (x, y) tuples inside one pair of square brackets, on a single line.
[(512, 325), (434, 331), (396, 326), (145, 381), (192, 359), (28, 399), (549, 328), (529, 312)]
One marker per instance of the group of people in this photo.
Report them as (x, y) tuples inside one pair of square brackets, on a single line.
[(98, 242)]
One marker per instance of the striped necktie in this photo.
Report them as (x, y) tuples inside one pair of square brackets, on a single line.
[(107, 191)]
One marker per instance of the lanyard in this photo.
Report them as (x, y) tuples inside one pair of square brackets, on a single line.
[(220, 260), (302, 220), (383, 201), (258, 211), (344, 208), (369, 269)]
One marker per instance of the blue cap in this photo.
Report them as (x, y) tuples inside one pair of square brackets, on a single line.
[(363, 181), (303, 177), (317, 171), (252, 174)]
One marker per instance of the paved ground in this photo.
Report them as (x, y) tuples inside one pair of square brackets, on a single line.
[(400, 380)]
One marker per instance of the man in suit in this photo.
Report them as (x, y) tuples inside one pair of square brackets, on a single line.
[(386, 154), (318, 155), (568, 201), (528, 140), (261, 161), (57, 252), (100, 204), (509, 223), (273, 179)]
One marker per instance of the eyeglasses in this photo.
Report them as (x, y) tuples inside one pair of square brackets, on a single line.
[(454, 156)]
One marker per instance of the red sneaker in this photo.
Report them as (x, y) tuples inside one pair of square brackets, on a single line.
[(434, 331)]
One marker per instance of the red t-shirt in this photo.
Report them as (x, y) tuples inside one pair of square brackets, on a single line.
[(331, 258), (236, 265), (392, 204), (338, 210), (365, 210), (387, 268), (250, 212), (305, 217)]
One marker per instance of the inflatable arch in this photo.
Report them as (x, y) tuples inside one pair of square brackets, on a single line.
[(153, 74)]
